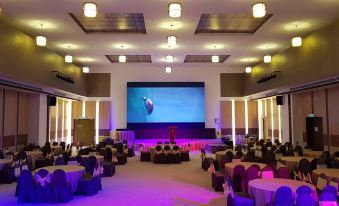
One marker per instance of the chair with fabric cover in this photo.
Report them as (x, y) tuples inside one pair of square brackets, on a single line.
[(25, 187), (305, 166), (299, 150), (55, 144), (61, 191), (131, 152), (283, 172), (238, 148), (304, 196), (72, 161), (43, 187), (314, 163), (249, 157), (252, 173), (92, 164), (328, 197), (239, 178), (121, 156), (63, 145), (176, 154), (86, 186), (160, 157), (85, 163), (233, 198), (217, 178), (167, 152), (60, 161), (185, 155), (268, 157), (335, 163), (283, 197), (109, 165), (145, 156), (239, 155), (2, 155), (325, 159)]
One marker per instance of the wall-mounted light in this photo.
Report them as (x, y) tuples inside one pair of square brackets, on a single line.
[(267, 58), (259, 10), (90, 9), (168, 70), (174, 10), (122, 58), (297, 41), (248, 70), (41, 41), (215, 59)]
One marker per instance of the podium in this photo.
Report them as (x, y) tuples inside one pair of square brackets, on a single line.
[(171, 132)]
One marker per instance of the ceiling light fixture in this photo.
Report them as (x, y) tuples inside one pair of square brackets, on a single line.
[(248, 70), (171, 40), (268, 59), (90, 9), (85, 69), (122, 58), (68, 59), (168, 70), (297, 41), (174, 10), (41, 40), (259, 10), (215, 59), (169, 58)]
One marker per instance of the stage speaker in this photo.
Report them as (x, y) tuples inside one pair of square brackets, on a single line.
[(52, 101), (280, 100)]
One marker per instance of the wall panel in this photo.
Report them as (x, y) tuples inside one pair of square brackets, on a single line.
[(226, 117), (10, 117)]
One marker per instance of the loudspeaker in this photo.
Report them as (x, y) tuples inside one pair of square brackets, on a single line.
[(279, 100), (52, 101)]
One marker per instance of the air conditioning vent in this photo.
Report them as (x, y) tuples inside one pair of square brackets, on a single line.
[(11, 83)]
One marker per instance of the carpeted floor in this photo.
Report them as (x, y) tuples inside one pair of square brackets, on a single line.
[(147, 184)]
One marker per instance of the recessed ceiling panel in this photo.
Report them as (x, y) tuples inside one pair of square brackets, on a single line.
[(225, 23), (112, 23), (204, 58), (130, 58)]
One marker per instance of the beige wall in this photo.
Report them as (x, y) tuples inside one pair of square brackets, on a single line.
[(231, 85)]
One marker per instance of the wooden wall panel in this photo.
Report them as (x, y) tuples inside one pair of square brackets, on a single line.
[(90, 109), (76, 111), (333, 103), (10, 117), (59, 118), (240, 117), (52, 122), (23, 118), (301, 107), (1, 115), (252, 114), (104, 117), (226, 117), (319, 103)]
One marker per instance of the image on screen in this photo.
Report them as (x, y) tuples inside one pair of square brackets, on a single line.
[(165, 104)]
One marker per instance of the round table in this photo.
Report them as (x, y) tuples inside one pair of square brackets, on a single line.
[(329, 172), (294, 161), (32, 156), (263, 190), (229, 167), (73, 173), (100, 158), (57, 149), (4, 162), (313, 154), (220, 155)]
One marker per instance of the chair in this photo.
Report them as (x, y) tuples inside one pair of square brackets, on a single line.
[(7, 174), (85, 163), (2, 155), (167, 152), (160, 157), (55, 144), (60, 161), (232, 198), (176, 154), (314, 163), (25, 188), (185, 156), (283, 197), (217, 178), (321, 182), (121, 156), (109, 165), (249, 157), (305, 167), (268, 157), (61, 192), (92, 164), (283, 172), (328, 197), (63, 145), (131, 151), (252, 173), (335, 163), (72, 161), (43, 187), (299, 150), (239, 178), (229, 155), (304, 196)]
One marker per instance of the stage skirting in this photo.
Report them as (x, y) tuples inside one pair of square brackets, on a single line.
[(185, 144)]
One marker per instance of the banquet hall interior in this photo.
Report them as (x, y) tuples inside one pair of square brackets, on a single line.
[(170, 103)]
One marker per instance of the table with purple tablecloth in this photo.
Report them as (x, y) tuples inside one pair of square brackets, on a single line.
[(32, 156), (73, 173), (100, 158), (229, 167), (263, 190), (4, 162)]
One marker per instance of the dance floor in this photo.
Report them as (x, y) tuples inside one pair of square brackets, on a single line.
[(147, 184), (195, 144)]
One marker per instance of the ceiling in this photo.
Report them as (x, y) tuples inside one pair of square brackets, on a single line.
[(244, 49)]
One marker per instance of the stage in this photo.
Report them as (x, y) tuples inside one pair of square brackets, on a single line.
[(185, 144)]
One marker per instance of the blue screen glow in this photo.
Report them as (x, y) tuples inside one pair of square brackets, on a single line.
[(165, 104)]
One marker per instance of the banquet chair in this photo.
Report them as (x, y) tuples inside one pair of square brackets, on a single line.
[(90, 185), (85, 163), (168, 154), (61, 191), (176, 154), (314, 163), (131, 151), (229, 155), (283, 197), (217, 178), (185, 154), (63, 145), (252, 173), (160, 157), (233, 198), (283, 172), (43, 187), (109, 165), (145, 156), (268, 157), (25, 188), (121, 156), (7, 173), (304, 196), (55, 144), (92, 160), (328, 197), (72, 161), (335, 163), (60, 161), (305, 166), (239, 178), (249, 157), (2, 155), (299, 150)]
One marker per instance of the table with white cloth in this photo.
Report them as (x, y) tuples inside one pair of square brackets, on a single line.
[(314, 154), (73, 173), (32, 156), (220, 155), (263, 190), (4, 162), (124, 135), (56, 149), (329, 172), (100, 158), (229, 167), (294, 161)]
